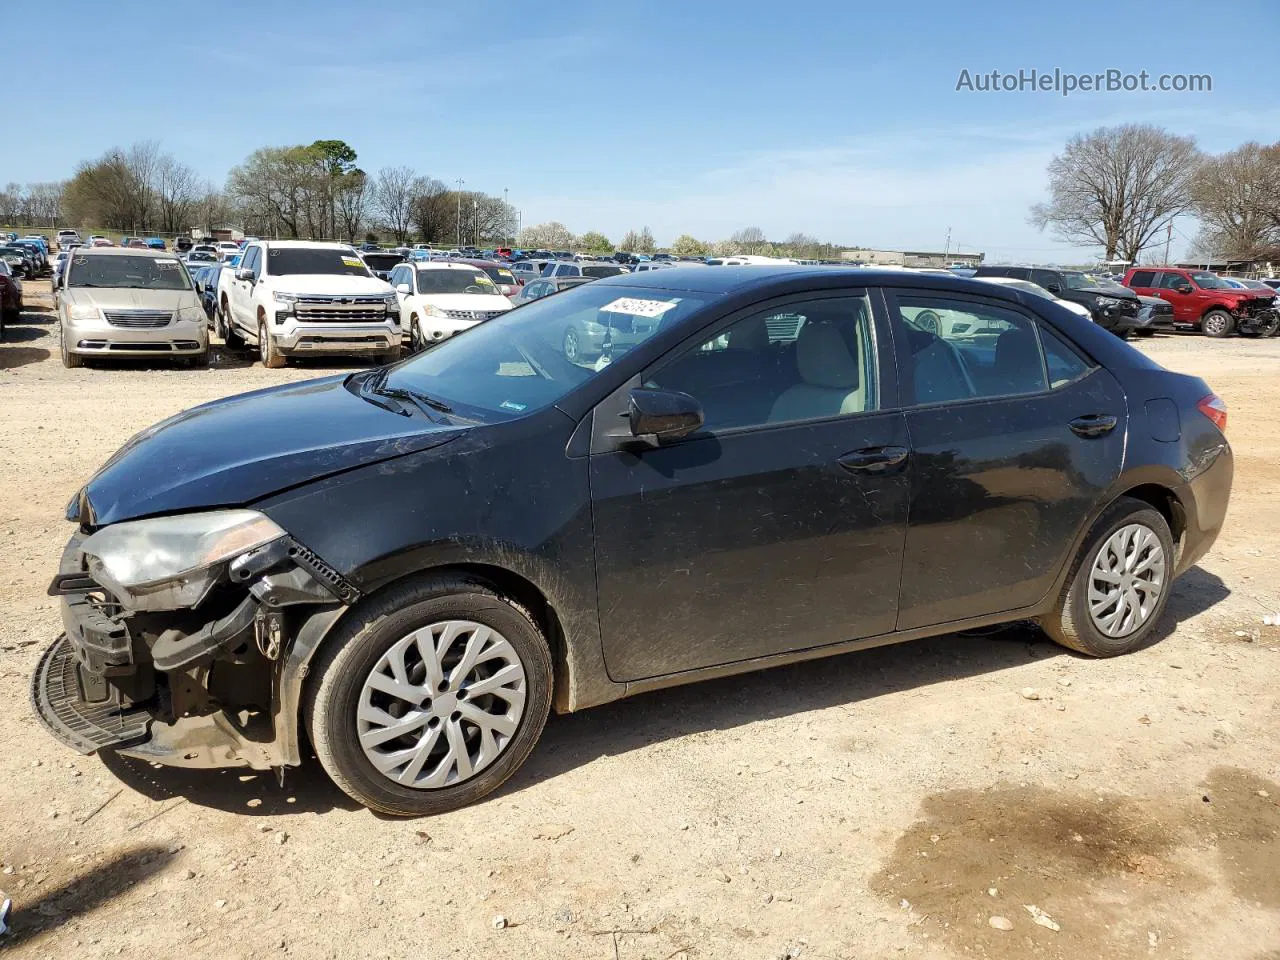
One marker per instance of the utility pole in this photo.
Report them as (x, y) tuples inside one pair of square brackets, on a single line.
[(946, 251), (460, 182), (1168, 239), (475, 213)]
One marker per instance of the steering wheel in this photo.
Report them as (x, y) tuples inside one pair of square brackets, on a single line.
[(474, 289), (929, 321)]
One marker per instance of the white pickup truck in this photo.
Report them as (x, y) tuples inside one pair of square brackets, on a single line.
[(298, 297)]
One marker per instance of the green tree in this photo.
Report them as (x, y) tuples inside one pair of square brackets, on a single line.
[(594, 240), (687, 246)]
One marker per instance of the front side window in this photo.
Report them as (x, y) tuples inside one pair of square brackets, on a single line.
[(961, 350), (1172, 281), (149, 272), (529, 358), (326, 261), (810, 360)]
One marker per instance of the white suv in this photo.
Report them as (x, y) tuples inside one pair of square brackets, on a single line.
[(298, 297)]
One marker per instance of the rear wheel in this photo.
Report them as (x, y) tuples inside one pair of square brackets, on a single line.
[(268, 350), (1217, 324), (430, 697), (1119, 584), (572, 350)]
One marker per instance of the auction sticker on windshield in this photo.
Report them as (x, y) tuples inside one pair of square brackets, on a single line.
[(640, 308)]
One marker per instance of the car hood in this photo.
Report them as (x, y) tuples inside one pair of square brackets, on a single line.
[(466, 301), (239, 449), (328, 283), (127, 298)]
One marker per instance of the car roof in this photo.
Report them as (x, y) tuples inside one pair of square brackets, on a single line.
[(300, 244), (766, 280), (128, 252), (476, 262), (444, 265)]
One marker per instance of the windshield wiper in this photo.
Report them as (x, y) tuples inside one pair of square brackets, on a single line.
[(374, 384)]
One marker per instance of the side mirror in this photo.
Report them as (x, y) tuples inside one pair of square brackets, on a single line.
[(1186, 288), (404, 288), (243, 274), (1054, 288), (658, 415)]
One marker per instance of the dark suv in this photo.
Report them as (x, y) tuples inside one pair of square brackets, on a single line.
[(1111, 307)]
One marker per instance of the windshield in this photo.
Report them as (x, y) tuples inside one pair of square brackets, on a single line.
[(600, 270), (153, 273), (500, 275), (1209, 282), (455, 281), (1077, 281), (288, 261), (531, 357)]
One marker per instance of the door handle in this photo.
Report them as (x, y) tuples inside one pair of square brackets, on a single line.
[(1093, 425), (873, 459)]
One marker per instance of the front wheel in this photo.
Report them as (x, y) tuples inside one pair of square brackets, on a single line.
[(430, 697), (1119, 584), (270, 353), (572, 349), (69, 360), (1217, 324), (226, 330)]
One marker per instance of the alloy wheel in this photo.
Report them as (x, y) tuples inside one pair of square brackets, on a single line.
[(1214, 325), (1126, 580), (571, 345), (441, 704)]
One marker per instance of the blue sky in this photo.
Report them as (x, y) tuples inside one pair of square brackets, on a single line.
[(836, 119)]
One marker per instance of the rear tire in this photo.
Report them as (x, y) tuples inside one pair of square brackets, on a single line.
[(270, 353), (363, 644), (1217, 324), (1082, 620)]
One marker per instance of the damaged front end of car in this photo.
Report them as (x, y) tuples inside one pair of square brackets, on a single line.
[(186, 639)]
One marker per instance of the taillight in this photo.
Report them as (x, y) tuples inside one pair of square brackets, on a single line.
[(1215, 409)]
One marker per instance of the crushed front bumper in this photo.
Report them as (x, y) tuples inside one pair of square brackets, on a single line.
[(154, 693)]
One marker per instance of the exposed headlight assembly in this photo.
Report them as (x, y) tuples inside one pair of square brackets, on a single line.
[(168, 563), (1108, 302)]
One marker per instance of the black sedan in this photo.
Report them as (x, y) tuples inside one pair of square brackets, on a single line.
[(411, 565)]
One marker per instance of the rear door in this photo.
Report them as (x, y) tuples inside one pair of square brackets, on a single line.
[(1015, 435), (778, 526)]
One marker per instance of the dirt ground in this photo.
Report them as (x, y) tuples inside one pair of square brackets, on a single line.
[(879, 804)]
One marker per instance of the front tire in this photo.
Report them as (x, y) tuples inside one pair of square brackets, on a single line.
[(270, 353), (430, 697), (1217, 324), (69, 360), (226, 330), (1119, 584)]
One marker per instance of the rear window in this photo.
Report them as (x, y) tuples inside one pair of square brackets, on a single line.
[(500, 274), (600, 270)]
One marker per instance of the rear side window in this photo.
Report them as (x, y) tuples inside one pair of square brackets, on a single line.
[(1063, 363), (1142, 278), (963, 350)]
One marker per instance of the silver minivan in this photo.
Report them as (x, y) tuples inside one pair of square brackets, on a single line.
[(119, 302)]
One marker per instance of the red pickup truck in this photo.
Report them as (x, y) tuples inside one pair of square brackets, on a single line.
[(1201, 300)]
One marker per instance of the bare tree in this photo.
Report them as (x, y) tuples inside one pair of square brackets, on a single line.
[(749, 239), (433, 210), (177, 192), (1117, 187), (394, 195), (1237, 201), (351, 197)]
